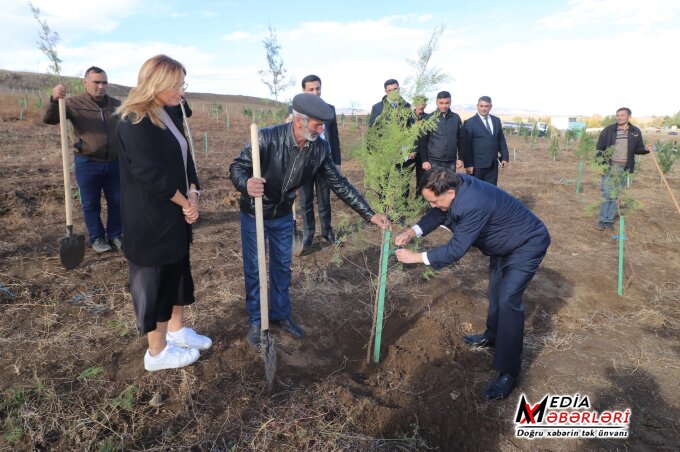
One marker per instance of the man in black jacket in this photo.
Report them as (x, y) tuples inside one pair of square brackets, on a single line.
[(291, 154), (96, 154), (312, 84), (439, 147), (616, 147), (483, 143)]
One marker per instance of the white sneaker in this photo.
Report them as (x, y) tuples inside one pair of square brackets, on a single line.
[(170, 358), (188, 338)]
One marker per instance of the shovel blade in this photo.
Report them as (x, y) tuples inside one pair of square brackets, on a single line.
[(298, 243), (72, 250), (268, 352)]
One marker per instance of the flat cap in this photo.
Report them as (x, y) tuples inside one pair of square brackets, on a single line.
[(312, 106)]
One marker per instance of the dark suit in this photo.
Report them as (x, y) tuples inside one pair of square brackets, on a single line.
[(482, 148), (490, 219), (323, 191)]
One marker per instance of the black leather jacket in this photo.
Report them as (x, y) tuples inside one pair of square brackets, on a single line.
[(285, 167)]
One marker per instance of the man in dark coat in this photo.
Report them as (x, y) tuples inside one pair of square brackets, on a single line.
[(482, 215), (440, 147), (617, 146), (484, 143), (312, 84), (291, 154)]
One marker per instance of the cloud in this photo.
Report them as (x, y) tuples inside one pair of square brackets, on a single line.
[(75, 17), (612, 12)]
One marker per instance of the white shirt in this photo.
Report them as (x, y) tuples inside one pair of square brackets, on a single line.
[(484, 122)]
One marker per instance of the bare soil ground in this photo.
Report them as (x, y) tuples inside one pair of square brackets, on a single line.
[(71, 371)]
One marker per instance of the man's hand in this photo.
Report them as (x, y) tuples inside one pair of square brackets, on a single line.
[(58, 92), (381, 220), (504, 163), (408, 256), (426, 166), (649, 148), (255, 187), (470, 170), (412, 155), (404, 237), (459, 164)]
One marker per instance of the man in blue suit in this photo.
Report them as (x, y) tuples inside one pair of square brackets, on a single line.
[(483, 143), (482, 215)]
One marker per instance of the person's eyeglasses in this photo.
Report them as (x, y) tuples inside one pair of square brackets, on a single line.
[(181, 86)]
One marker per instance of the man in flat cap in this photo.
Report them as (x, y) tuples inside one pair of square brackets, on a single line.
[(290, 155)]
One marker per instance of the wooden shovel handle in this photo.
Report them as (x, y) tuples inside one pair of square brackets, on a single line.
[(63, 130), (663, 178), (259, 227)]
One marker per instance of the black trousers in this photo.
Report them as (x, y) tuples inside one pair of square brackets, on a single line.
[(509, 276), (155, 290), (489, 174), (323, 197)]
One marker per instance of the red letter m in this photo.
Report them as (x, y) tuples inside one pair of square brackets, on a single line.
[(527, 413)]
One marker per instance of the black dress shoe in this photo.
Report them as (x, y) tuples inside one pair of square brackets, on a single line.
[(253, 335), (478, 340), (291, 327), (500, 387)]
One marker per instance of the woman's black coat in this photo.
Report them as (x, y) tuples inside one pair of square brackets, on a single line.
[(151, 171)]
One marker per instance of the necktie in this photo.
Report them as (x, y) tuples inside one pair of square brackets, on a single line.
[(486, 121)]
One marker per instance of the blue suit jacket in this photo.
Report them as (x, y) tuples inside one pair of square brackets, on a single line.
[(480, 147), (487, 217)]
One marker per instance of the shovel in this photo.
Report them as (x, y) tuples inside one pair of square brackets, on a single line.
[(72, 247), (267, 349), (298, 242)]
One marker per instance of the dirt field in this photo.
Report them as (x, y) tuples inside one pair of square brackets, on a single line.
[(71, 371)]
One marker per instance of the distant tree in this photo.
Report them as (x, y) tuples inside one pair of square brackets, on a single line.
[(554, 147), (586, 146), (594, 121), (275, 75), (570, 136), (47, 42), (666, 155), (607, 120), (425, 79)]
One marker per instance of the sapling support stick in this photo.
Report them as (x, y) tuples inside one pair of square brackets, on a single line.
[(381, 295), (621, 237), (205, 139), (580, 174)]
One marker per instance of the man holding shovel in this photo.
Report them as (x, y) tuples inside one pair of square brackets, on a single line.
[(96, 154), (291, 155), (482, 215)]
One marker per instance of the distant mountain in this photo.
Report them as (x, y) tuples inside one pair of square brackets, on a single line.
[(40, 84)]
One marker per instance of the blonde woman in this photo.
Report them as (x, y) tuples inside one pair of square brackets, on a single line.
[(159, 203)]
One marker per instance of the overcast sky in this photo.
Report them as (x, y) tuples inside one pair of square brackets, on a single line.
[(577, 57)]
